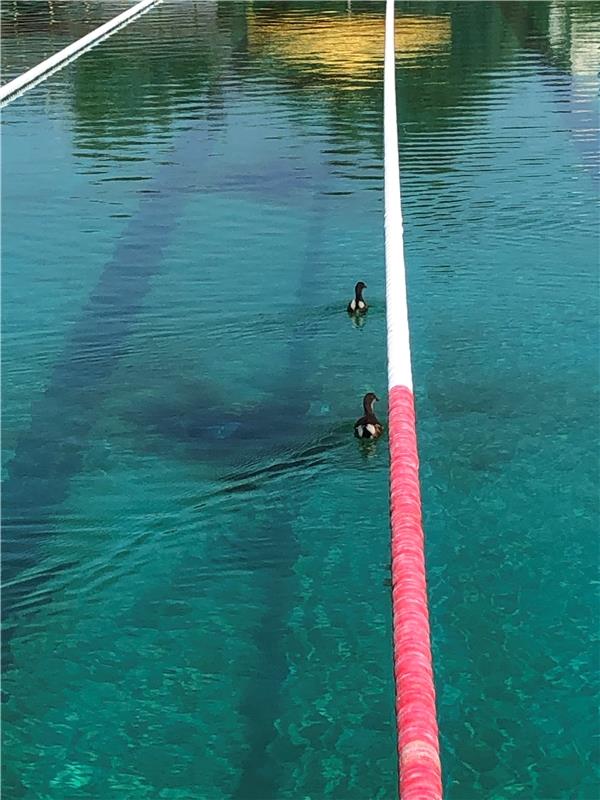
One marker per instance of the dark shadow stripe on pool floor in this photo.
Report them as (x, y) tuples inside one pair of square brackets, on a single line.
[(261, 702), (51, 451)]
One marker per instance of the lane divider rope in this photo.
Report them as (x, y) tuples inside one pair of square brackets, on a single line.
[(418, 747), (15, 88)]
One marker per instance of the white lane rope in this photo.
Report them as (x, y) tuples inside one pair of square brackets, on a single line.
[(398, 336)]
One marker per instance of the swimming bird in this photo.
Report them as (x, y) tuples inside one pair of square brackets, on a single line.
[(358, 305), (368, 427)]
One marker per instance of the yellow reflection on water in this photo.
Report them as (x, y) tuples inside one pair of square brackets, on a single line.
[(348, 47)]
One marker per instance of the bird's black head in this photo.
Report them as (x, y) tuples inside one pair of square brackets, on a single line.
[(359, 287), (368, 401)]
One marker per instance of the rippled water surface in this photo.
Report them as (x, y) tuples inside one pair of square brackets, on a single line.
[(196, 555)]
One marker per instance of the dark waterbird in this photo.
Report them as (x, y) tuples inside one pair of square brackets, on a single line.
[(368, 426), (358, 304)]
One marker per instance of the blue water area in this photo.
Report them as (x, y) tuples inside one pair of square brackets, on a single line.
[(196, 551)]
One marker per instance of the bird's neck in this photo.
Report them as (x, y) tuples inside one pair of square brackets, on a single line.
[(358, 294)]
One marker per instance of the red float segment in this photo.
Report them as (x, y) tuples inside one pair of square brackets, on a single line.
[(418, 748)]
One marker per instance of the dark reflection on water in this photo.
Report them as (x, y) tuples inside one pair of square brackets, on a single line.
[(33, 30), (195, 547)]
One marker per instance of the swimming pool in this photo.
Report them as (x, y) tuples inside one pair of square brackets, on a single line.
[(196, 552)]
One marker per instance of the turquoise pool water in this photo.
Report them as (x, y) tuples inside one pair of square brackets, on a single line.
[(196, 552)]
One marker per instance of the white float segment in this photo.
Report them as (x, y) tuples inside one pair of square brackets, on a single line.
[(398, 338), (41, 71)]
